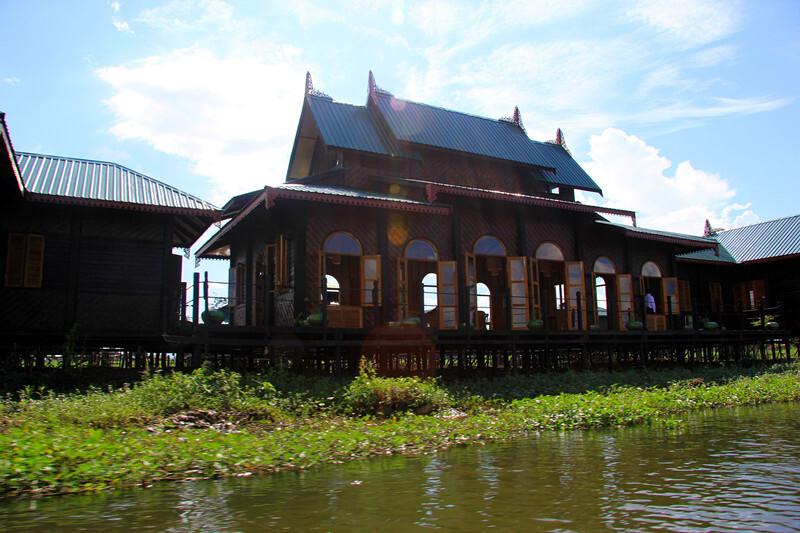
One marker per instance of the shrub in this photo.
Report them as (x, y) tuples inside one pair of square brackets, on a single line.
[(368, 394)]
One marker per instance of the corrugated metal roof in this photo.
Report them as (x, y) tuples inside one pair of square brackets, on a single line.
[(350, 127), (442, 128), (763, 241), (694, 240), (101, 181)]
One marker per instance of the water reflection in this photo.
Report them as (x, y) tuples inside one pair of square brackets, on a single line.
[(728, 470)]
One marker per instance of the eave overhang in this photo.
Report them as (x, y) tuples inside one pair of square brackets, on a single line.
[(270, 195), (435, 189)]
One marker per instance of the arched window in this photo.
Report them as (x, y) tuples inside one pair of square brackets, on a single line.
[(651, 270), (421, 249), (342, 243), (550, 252), (604, 265), (489, 245)]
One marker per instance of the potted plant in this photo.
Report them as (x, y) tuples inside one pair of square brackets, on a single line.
[(536, 323), (217, 314)]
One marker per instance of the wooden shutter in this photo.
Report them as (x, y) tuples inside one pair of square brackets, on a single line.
[(624, 300), (15, 260), (232, 286), (448, 299), (535, 297), (370, 273), (272, 266), (282, 263), (517, 269), (715, 291), (402, 288), (575, 284), (34, 260), (669, 288), (471, 279), (685, 295), (594, 299)]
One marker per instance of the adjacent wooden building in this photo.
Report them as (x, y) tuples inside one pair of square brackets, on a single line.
[(89, 250)]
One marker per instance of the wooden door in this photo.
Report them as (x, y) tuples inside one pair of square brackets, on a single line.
[(370, 274), (624, 300), (575, 285)]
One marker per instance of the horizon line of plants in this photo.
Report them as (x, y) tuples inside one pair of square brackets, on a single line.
[(219, 423)]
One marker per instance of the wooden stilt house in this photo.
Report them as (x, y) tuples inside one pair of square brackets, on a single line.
[(398, 210), (89, 250)]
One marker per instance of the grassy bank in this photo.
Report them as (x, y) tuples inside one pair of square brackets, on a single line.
[(218, 423)]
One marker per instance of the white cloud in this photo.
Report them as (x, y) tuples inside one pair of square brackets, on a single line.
[(189, 15), (11, 81), (633, 175), (122, 26), (690, 23), (234, 116)]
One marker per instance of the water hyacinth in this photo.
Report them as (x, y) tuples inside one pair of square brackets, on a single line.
[(219, 423)]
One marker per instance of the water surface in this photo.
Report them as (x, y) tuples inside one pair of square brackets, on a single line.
[(725, 470)]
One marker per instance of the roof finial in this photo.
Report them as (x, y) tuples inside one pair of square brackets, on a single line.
[(516, 118), (560, 141), (373, 87), (310, 91), (309, 83), (709, 231)]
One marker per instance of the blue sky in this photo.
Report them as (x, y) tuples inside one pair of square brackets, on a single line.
[(680, 110)]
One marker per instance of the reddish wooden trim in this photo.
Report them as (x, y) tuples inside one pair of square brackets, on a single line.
[(332, 198), (434, 189), (213, 214)]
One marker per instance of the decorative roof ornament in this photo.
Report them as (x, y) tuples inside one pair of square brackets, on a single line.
[(310, 88), (560, 141), (374, 89), (711, 232), (516, 118)]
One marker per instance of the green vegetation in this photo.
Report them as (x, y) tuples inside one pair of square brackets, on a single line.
[(219, 423)]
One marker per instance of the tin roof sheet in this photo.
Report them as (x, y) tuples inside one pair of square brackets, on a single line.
[(442, 128), (772, 239), (83, 179), (692, 240), (350, 127)]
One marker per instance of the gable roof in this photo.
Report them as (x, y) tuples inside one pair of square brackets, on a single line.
[(765, 241), (81, 181), (395, 127), (707, 244)]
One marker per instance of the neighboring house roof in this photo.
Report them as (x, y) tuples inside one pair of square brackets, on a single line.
[(9, 170), (217, 246), (680, 239), (80, 181), (765, 241)]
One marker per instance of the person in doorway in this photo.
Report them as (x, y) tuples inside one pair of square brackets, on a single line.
[(649, 303)]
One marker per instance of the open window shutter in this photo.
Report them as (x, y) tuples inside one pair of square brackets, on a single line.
[(669, 288), (624, 300), (402, 288), (282, 263), (685, 295), (471, 279), (34, 260), (15, 260), (759, 292), (594, 298), (232, 286), (575, 284), (535, 298), (517, 270), (448, 298), (370, 273)]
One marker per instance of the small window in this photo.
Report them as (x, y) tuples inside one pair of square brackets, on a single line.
[(342, 243), (489, 246), (651, 270), (25, 260), (420, 249), (549, 252), (604, 265)]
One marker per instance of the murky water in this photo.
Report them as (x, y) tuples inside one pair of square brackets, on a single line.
[(726, 470)]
